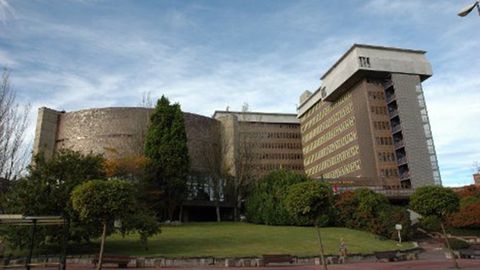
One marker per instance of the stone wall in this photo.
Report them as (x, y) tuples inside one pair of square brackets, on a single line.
[(117, 132)]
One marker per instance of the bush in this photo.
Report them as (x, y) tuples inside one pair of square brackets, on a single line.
[(366, 210), (311, 200), (431, 224), (265, 204), (457, 244)]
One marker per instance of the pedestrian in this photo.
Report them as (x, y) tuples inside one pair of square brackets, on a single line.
[(343, 251)]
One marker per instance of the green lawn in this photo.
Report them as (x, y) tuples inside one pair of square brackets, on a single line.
[(243, 239)]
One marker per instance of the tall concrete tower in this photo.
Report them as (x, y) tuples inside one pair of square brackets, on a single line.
[(368, 120)]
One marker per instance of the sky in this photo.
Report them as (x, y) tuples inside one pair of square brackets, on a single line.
[(210, 55)]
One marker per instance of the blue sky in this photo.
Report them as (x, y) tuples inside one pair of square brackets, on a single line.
[(207, 55)]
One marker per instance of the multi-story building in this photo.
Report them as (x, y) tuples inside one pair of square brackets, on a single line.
[(257, 143), (368, 120)]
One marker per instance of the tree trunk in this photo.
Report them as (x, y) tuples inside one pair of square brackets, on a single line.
[(102, 244), (171, 209), (180, 214), (455, 263), (322, 257), (217, 209)]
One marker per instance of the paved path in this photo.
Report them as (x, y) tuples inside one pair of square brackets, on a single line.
[(438, 264)]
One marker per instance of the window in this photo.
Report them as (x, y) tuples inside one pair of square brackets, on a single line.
[(364, 61)]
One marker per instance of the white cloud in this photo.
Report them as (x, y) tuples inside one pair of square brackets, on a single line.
[(7, 12), (77, 66)]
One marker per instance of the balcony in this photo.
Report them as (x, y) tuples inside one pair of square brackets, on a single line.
[(390, 98), (405, 175), (402, 160), (392, 112), (396, 128), (399, 144), (387, 84)]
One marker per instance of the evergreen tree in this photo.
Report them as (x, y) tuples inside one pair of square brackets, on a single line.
[(166, 147)]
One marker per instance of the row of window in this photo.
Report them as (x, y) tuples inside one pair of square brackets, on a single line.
[(381, 125), (384, 140), (276, 145), (268, 125), (388, 172), (270, 167), (338, 158), (271, 135), (326, 108), (283, 156), (330, 148), (386, 156), (323, 125), (382, 110), (344, 170), (374, 95), (350, 122)]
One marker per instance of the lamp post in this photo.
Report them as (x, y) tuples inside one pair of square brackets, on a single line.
[(466, 10)]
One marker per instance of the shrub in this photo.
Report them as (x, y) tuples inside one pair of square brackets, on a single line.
[(311, 200), (265, 204), (366, 210), (430, 223), (457, 244)]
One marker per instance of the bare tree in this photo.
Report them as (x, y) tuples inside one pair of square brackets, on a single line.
[(245, 167), (13, 123), (213, 155)]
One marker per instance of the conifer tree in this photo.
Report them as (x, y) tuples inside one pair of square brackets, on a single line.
[(166, 147)]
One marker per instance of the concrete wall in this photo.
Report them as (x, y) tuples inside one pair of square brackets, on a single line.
[(413, 129), (46, 132)]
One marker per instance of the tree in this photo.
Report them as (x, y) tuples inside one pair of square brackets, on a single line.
[(128, 168), (266, 200), (46, 191), (312, 200), (469, 213), (244, 162), (218, 175), (103, 201), (439, 202), (166, 147), (13, 123)]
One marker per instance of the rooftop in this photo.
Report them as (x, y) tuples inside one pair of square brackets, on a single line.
[(264, 117)]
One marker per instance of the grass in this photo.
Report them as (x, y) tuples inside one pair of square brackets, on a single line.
[(233, 239), (243, 239)]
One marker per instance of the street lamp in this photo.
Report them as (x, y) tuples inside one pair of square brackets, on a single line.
[(466, 10)]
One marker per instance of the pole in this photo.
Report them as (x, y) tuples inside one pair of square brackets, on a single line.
[(321, 247), (66, 228), (32, 242), (455, 263)]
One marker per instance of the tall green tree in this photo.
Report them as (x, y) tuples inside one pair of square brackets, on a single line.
[(312, 200), (103, 201), (46, 191), (166, 147), (438, 202)]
